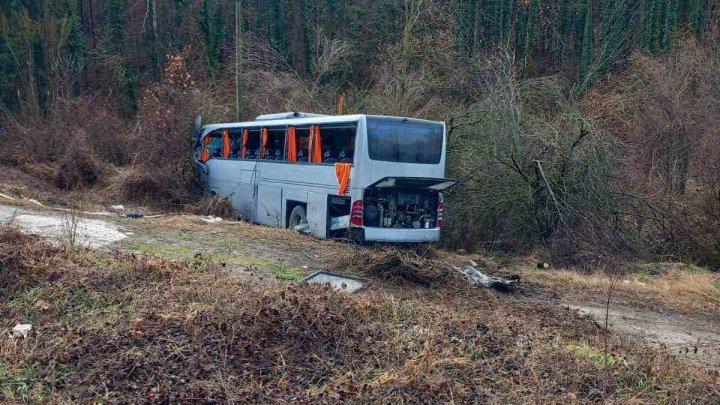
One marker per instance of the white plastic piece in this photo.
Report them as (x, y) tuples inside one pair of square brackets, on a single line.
[(21, 330), (211, 219)]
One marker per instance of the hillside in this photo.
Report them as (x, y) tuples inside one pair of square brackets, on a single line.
[(180, 309)]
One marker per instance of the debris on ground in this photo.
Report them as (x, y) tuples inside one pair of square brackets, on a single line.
[(337, 281), (475, 277), (21, 330), (42, 304), (118, 207), (211, 219), (303, 228)]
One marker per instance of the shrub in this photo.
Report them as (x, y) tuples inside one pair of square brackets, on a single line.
[(216, 206), (535, 171), (78, 167)]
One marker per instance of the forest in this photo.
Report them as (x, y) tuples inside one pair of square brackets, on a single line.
[(588, 130)]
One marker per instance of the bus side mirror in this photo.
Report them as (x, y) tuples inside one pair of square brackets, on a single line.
[(196, 130)]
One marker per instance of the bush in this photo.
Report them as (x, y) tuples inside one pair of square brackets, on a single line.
[(78, 167), (216, 206), (535, 171), (147, 188), (666, 111)]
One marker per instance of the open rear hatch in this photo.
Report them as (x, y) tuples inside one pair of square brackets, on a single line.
[(413, 183), (405, 202)]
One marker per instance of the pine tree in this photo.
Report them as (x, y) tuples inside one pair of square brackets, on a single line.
[(531, 29), (213, 29), (586, 57)]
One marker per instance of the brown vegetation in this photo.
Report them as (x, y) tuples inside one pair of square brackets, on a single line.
[(121, 328), (685, 288), (666, 113), (216, 206), (78, 168), (421, 265)]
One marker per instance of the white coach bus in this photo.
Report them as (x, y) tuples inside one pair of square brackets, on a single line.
[(370, 178)]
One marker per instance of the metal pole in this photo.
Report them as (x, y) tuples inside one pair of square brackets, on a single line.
[(238, 46)]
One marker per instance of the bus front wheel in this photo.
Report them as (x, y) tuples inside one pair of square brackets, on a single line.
[(297, 217)]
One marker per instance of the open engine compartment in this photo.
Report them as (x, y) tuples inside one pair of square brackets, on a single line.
[(401, 208)]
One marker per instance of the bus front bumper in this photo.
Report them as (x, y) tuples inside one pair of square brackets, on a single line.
[(399, 235)]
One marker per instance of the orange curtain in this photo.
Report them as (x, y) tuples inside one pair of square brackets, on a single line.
[(292, 145), (263, 146), (342, 171), (226, 144), (205, 153), (316, 146), (245, 142), (311, 131)]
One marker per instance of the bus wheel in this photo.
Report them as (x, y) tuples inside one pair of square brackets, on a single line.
[(297, 217)]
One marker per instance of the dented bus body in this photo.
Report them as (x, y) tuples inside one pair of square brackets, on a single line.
[(370, 178)]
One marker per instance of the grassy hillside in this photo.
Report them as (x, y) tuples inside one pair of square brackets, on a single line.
[(112, 326)]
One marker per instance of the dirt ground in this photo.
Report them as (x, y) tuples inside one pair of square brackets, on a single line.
[(265, 255), (695, 339)]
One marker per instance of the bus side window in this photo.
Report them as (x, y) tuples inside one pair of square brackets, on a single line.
[(236, 139), (214, 146), (275, 147), (302, 135), (253, 144), (338, 143)]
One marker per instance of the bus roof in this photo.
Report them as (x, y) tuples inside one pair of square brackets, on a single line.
[(306, 120)]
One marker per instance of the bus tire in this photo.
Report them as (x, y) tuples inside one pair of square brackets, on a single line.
[(297, 217)]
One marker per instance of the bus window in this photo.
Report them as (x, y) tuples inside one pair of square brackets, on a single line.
[(253, 145), (302, 136), (275, 146), (213, 146), (404, 141), (338, 143), (236, 143)]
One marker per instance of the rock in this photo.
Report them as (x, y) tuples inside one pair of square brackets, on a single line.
[(42, 304), (21, 330)]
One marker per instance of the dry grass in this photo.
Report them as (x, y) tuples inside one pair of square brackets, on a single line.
[(146, 187), (79, 166), (688, 289), (216, 206), (114, 328), (422, 265)]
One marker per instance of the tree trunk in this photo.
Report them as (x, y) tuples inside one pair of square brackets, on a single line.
[(477, 26)]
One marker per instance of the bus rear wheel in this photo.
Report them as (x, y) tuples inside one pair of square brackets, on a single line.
[(297, 217)]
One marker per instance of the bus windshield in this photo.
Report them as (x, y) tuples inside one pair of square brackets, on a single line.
[(404, 141)]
